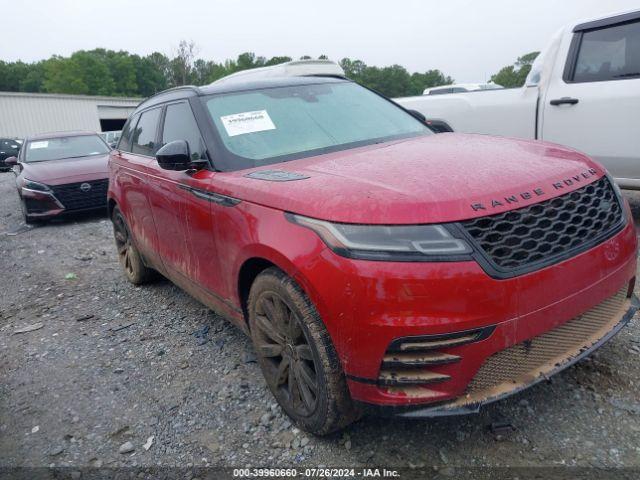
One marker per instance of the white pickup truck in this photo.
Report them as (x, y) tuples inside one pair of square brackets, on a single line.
[(583, 91)]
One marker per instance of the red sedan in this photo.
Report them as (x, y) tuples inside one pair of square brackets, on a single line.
[(61, 173), (374, 264)]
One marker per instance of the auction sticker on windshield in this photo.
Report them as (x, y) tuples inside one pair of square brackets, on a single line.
[(34, 145), (247, 122)]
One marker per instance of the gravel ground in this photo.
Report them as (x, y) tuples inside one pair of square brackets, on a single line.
[(119, 375)]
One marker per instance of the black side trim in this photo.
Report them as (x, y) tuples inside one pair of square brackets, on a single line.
[(477, 333), (608, 22), (218, 198), (572, 58), (370, 381)]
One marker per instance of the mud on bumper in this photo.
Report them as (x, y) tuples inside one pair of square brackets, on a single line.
[(523, 365)]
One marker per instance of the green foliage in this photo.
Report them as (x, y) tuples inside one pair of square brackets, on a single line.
[(393, 81), (119, 73), (515, 75)]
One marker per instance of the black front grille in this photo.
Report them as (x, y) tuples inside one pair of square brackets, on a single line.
[(547, 231), (76, 196)]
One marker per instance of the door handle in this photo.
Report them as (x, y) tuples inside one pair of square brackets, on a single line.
[(564, 101)]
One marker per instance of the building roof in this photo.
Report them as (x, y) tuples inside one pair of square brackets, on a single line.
[(71, 96)]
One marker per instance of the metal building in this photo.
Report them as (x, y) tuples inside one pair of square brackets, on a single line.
[(23, 114)]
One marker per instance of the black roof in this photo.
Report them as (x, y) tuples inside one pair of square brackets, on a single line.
[(235, 86), (609, 21)]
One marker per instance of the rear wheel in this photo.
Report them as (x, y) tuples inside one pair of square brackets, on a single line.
[(296, 355), (129, 257)]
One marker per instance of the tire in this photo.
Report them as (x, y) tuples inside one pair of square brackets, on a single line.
[(296, 355), (128, 255)]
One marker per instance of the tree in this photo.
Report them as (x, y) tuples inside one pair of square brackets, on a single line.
[(277, 60), (182, 63), (428, 79), (34, 79), (64, 75), (515, 75), (152, 73), (108, 72)]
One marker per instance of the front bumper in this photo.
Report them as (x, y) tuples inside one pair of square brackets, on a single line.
[(39, 204), (524, 377), (367, 306), (42, 205)]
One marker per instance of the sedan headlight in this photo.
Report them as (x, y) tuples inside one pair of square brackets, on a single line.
[(387, 242), (31, 185)]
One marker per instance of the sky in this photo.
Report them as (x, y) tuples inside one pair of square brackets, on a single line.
[(468, 40)]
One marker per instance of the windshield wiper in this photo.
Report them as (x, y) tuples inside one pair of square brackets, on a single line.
[(80, 156)]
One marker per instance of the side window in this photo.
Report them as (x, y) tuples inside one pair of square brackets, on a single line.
[(144, 135), (127, 131), (179, 124), (441, 91), (611, 53)]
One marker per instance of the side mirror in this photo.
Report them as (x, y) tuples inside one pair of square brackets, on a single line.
[(418, 115), (174, 156), (11, 161)]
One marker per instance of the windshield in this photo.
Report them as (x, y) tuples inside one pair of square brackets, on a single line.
[(65, 147), (262, 127)]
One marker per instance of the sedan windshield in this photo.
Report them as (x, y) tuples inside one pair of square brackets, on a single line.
[(270, 125), (65, 147)]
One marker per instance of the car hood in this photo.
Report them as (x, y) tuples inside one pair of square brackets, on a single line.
[(56, 172), (435, 178)]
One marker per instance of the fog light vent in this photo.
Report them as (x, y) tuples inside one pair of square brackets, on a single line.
[(408, 363)]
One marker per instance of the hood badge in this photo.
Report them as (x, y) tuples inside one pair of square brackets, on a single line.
[(85, 187), (276, 175), (535, 192)]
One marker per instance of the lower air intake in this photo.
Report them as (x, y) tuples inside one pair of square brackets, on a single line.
[(524, 362)]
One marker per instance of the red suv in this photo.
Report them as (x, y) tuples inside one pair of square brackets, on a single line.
[(373, 263)]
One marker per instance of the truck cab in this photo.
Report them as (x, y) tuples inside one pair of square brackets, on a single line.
[(583, 91)]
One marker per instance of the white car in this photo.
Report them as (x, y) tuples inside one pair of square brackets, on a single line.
[(583, 91), (111, 137), (460, 88)]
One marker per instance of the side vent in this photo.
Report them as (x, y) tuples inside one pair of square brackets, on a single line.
[(406, 365)]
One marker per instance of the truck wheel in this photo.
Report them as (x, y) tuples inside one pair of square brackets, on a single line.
[(131, 261), (296, 355)]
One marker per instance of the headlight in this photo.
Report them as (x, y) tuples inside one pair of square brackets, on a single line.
[(387, 242), (31, 185)]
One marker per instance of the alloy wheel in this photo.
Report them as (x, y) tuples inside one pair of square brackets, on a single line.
[(287, 358), (123, 244)]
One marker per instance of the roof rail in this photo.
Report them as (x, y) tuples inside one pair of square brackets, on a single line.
[(193, 88), (296, 68)]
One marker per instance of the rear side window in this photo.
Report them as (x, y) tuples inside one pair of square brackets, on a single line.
[(144, 135), (127, 132), (611, 53), (441, 91), (179, 124)]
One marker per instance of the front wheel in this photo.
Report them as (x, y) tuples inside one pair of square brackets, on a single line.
[(296, 355), (130, 260)]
